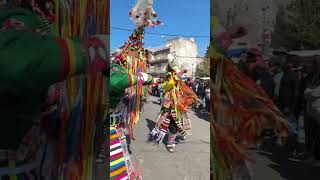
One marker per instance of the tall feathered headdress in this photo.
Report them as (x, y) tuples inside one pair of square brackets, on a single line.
[(143, 14)]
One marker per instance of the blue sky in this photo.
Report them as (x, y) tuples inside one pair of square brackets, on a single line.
[(183, 17)]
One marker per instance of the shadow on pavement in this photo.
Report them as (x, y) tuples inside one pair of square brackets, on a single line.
[(291, 170), (150, 124), (202, 115), (128, 140), (155, 102)]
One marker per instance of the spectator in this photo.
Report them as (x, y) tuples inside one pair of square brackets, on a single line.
[(203, 94), (200, 89), (278, 74), (196, 86), (208, 98), (265, 80), (312, 108), (254, 60), (299, 94), (288, 88), (160, 90)]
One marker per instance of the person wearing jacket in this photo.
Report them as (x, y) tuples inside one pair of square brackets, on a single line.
[(312, 107)]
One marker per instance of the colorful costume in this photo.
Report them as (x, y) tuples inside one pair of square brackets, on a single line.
[(32, 60), (127, 78), (173, 114), (241, 109), (120, 162)]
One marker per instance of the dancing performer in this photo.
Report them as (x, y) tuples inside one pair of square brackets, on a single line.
[(241, 109), (173, 115), (32, 60), (120, 80), (127, 78)]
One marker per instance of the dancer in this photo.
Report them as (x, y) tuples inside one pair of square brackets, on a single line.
[(173, 115), (32, 60), (127, 78), (241, 109), (120, 80)]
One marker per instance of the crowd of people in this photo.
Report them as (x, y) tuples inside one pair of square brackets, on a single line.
[(202, 89), (295, 89)]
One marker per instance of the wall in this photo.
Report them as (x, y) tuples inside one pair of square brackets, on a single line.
[(185, 52), (249, 14)]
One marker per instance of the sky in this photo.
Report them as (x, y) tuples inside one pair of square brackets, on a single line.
[(179, 17)]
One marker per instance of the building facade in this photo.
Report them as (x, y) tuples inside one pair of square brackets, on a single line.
[(257, 16), (185, 52)]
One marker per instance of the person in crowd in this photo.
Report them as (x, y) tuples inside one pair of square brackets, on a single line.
[(299, 94), (208, 98), (160, 89), (265, 80), (288, 88), (199, 92), (258, 71), (199, 89), (278, 74), (255, 60), (312, 109), (195, 86), (203, 95)]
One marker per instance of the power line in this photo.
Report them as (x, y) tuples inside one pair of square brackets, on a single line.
[(189, 57), (162, 34)]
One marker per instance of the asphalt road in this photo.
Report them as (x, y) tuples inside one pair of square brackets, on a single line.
[(272, 163), (190, 161)]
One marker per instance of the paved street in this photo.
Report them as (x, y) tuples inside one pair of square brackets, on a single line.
[(276, 166), (273, 163), (191, 161)]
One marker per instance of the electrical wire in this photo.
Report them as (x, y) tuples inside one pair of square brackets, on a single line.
[(188, 57), (162, 34)]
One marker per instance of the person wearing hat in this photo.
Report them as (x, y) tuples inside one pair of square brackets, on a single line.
[(121, 81), (173, 114), (289, 87)]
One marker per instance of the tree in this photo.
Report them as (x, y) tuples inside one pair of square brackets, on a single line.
[(203, 68), (297, 26)]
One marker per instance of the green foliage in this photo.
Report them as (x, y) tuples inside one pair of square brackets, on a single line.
[(203, 68), (297, 26)]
